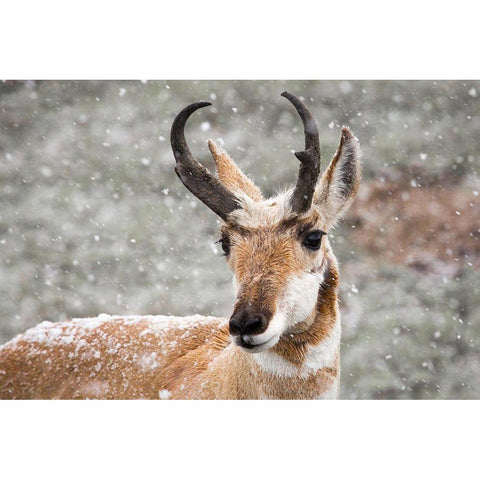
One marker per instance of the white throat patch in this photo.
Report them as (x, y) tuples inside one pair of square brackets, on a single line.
[(317, 357)]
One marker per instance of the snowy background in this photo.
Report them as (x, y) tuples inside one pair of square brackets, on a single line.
[(93, 218)]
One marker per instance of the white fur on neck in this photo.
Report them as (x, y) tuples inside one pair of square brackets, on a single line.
[(319, 356)]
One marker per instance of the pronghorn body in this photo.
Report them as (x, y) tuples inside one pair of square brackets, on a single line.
[(283, 338), (156, 357)]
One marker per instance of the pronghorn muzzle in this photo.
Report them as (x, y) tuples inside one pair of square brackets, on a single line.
[(246, 323)]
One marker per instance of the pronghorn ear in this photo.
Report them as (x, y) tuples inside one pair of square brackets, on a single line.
[(231, 176), (339, 183)]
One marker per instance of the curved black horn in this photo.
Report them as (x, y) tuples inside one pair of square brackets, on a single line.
[(195, 176), (309, 158)]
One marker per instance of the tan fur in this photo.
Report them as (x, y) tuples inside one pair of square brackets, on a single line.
[(194, 357), (117, 358), (231, 176), (262, 262), (107, 361), (263, 259)]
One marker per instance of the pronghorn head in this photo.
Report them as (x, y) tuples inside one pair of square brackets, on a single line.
[(277, 248)]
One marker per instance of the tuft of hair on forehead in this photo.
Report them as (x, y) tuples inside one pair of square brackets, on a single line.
[(272, 212), (264, 213)]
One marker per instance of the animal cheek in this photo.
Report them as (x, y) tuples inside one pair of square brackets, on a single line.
[(299, 297)]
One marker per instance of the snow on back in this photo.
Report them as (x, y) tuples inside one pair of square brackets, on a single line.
[(164, 394), (66, 333)]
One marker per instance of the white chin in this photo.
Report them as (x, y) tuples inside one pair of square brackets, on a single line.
[(256, 348)]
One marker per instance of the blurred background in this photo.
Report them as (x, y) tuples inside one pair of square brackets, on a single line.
[(94, 220)]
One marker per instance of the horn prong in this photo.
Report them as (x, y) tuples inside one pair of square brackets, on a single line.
[(309, 158)]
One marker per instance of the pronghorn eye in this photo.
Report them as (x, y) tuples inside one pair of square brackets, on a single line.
[(313, 240), (225, 242)]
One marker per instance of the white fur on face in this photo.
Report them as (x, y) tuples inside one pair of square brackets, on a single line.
[(297, 303), (298, 300)]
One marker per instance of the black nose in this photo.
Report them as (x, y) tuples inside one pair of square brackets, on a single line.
[(247, 321)]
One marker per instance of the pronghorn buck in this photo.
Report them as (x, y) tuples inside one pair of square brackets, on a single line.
[(282, 340)]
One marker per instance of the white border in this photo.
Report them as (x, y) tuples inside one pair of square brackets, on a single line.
[(249, 439), (243, 40)]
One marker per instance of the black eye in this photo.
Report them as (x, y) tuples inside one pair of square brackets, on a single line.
[(313, 240), (225, 242)]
